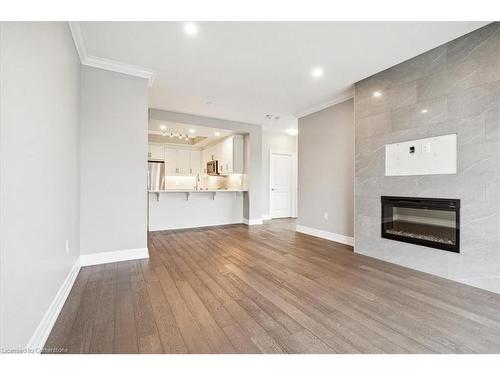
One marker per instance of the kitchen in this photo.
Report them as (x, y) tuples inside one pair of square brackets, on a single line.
[(196, 176)]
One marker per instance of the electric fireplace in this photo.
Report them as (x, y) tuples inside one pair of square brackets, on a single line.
[(432, 222)]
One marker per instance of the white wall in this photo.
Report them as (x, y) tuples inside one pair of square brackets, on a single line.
[(113, 198), (275, 142), (39, 83), (326, 169)]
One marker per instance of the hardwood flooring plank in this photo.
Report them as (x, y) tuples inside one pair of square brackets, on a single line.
[(125, 337), (193, 338), (170, 335), (62, 327), (104, 325), (148, 338), (79, 337)]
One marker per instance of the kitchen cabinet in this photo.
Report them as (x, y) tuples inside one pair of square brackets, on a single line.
[(195, 162), (182, 162), (206, 156), (170, 161), (231, 155), (155, 151)]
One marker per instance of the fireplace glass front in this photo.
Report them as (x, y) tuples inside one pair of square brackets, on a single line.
[(432, 222)]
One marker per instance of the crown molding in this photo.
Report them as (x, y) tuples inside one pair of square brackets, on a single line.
[(119, 67), (103, 63), (76, 32), (336, 100)]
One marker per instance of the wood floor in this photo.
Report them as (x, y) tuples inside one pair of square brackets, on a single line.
[(268, 289)]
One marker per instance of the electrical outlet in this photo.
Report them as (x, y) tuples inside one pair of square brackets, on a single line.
[(325, 216), (67, 246)]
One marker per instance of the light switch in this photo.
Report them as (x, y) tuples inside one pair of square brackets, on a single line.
[(426, 148)]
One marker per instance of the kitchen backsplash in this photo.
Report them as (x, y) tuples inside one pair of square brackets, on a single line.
[(234, 181)]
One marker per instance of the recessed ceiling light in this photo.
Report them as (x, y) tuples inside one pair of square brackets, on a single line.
[(377, 94), (276, 117), (209, 102), (292, 131), (424, 110), (269, 116), (317, 72), (190, 28), (216, 134), (163, 127), (192, 131), (171, 135)]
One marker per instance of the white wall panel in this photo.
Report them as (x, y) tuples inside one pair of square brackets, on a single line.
[(173, 211), (435, 155)]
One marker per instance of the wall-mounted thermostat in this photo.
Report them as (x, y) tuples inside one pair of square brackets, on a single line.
[(436, 155)]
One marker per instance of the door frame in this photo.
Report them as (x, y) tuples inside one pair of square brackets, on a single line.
[(293, 195)]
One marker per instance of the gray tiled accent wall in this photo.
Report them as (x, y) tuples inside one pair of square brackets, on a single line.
[(459, 84)]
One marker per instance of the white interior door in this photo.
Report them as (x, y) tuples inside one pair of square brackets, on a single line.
[(281, 185)]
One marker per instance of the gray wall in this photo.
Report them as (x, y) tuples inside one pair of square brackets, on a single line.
[(39, 83), (459, 84), (275, 142), (252, 207), (326, 169), (113, 153)]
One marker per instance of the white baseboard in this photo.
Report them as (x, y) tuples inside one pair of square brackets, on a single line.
[(42, 332), (113, 256), (252, 221), (346, 240), (266, 217)]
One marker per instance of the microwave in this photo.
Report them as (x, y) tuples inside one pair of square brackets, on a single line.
[(213, 168)]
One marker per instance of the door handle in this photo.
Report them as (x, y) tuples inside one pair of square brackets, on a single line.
[(273, 189)]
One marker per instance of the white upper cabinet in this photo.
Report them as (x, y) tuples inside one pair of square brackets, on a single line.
[(182, 162), (195, 162), (170, 161), (155, 152), (231, 155), (206, 156)]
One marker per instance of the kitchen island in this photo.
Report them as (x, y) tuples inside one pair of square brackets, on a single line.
[(189, 208)]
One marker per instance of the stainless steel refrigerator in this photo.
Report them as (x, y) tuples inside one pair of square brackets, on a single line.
[(156, 175)]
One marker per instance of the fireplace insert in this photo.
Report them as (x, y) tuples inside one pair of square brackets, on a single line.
[(432, 222)]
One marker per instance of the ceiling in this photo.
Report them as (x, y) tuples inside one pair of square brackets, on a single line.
[(200, 136), (243, 71)]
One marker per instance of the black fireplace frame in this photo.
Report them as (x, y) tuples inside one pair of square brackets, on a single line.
[(416, 202)]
